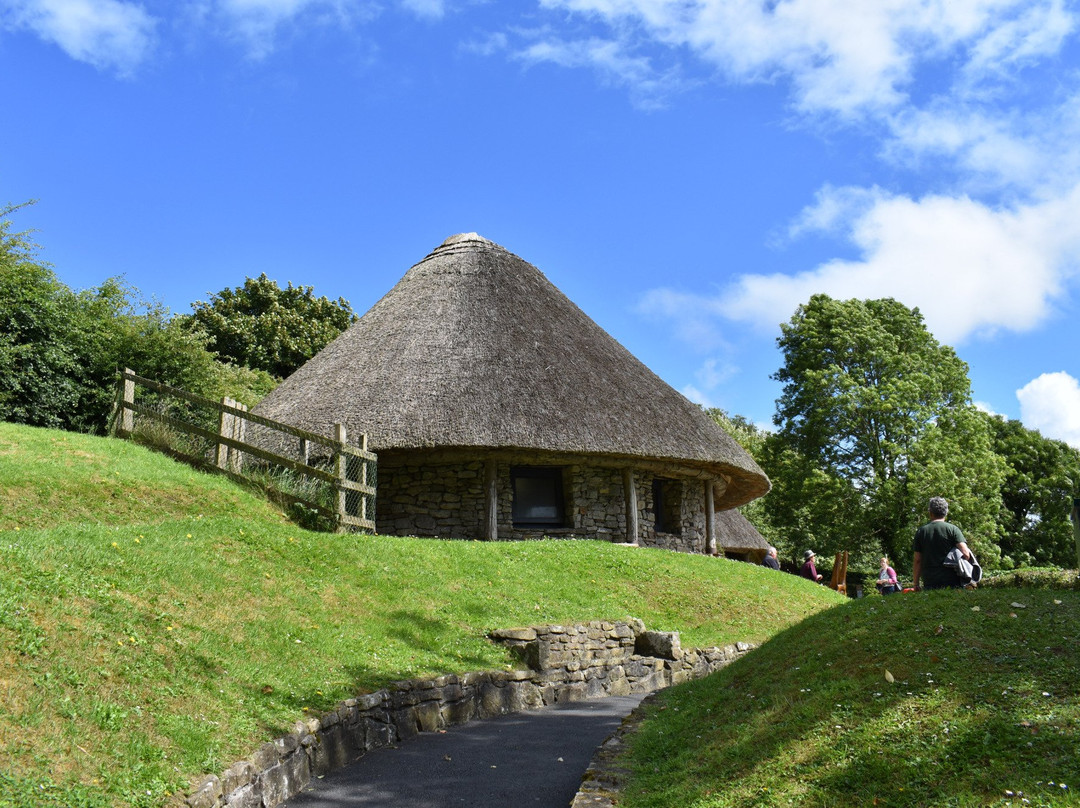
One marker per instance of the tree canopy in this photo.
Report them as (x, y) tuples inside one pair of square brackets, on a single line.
[(874, 418), (262, 326), (1042, 477), (60, 349)]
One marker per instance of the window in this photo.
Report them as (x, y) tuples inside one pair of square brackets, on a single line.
[(538, 496), (667, 505)]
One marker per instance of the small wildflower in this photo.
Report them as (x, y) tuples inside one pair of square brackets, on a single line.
[(189, 535), (114, 544)]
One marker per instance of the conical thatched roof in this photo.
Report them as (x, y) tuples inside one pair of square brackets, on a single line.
[(474, 347)]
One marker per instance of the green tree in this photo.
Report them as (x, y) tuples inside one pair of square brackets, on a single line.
[(39, 370), (1042, 477), (60, 349), (871, 400), (260, 325)]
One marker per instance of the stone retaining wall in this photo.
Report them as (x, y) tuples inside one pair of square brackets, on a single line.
[(564, 663)]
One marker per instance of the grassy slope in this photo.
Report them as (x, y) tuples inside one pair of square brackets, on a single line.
[(984, 701), (157, 623)]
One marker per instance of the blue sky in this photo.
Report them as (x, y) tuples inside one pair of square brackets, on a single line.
[(687, 171)]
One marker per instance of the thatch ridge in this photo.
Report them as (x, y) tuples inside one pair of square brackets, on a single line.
[(474, 347)]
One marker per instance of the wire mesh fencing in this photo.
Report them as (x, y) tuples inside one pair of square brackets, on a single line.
[(321, 481)]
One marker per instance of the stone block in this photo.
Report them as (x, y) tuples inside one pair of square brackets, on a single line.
[(237, 776), (265, 757), (428, 716), (286, 779), (457, 712), (514, 634), (405, 723), (339, 748), (207, 794), (248, 796), (659, 644)]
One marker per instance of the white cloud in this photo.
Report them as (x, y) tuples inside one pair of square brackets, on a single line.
[(108, 34), (968, 267), (431, 9), (613, 61), (257, 23), (840, 57), (697, 396), (694, 317), (710, 377), (1051, 404)]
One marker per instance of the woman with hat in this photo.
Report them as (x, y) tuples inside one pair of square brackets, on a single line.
[(808, 569)]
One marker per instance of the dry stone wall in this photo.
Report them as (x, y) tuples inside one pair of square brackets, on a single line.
[(562, 663), (446, 500)]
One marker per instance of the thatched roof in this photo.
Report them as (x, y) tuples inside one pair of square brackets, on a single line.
[(734, 532), (474, 347)]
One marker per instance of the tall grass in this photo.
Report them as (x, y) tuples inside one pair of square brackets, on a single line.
[(157, 623)]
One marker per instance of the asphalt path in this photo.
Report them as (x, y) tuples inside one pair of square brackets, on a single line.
[(535, 759)]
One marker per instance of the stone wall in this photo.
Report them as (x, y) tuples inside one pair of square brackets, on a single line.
[(563, 663), (446, 500)]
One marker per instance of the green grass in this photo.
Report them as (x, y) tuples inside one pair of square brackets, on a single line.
[(157, 623), (983, 701)]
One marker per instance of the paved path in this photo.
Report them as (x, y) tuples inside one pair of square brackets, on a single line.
[(534, 759)]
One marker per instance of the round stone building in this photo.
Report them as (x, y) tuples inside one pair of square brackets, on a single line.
[(499, 410)]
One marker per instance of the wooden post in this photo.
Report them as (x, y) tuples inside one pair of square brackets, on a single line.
[(630, 495), (710, 519), (491, 499), (125, 421), (305, 451), (363, 477), (225, 430), (239, 432), (341, 472)]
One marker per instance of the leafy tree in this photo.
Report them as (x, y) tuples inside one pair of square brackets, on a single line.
[(1041, 479), (260, 325), (38, 367), (876, 413), (805, 503), (60, 349), (955, 458)]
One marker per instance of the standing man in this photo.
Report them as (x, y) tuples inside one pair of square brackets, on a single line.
[(770, 559), (933, 542)]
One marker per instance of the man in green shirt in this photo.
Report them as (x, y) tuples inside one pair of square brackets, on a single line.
[(933, 542)]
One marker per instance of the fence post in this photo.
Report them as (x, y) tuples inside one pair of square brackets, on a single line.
[(363, 477), (239, 433), (225, 430), (125, 421), (341, 470)]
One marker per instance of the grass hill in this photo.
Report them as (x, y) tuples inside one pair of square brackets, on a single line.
[(928, 699), (157, 623)]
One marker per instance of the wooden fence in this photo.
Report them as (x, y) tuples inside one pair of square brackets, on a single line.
[(337, 480)]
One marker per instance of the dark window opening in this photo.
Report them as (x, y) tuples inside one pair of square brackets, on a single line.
[(667, 505), (538, 496)]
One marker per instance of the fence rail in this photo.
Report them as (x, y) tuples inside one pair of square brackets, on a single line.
[(337, 481)]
